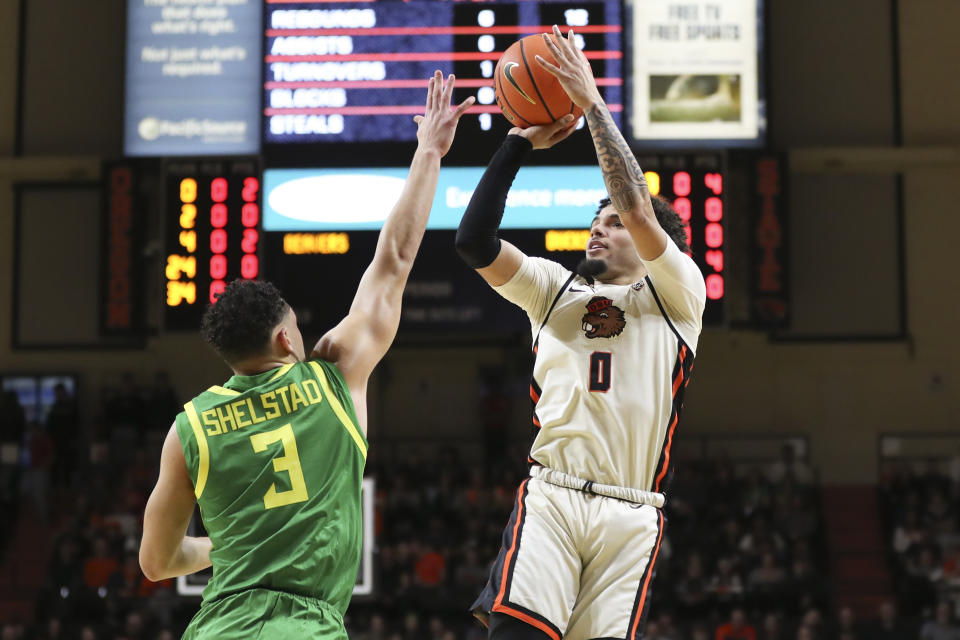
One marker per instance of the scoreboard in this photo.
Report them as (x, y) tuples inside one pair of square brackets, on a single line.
[(548, 213), (219, 226), (340, 72), (212, 234), (341, 82), (694, 184)]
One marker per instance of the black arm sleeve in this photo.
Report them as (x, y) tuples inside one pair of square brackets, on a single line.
[(477, 241)]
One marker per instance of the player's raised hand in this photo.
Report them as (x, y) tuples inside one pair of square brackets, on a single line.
[(572, 68), (544, 136), (437, 126)]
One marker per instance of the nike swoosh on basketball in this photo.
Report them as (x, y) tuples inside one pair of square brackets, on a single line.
[(508, 72)]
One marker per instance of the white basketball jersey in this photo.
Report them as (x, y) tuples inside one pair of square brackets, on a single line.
[(611, 365)]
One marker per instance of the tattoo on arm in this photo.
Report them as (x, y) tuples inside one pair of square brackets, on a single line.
[(622, 173)]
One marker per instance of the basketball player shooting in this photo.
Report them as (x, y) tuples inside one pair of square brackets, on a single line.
[(614, 345)]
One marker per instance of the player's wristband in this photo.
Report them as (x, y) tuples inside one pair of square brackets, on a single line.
[(477, 241)]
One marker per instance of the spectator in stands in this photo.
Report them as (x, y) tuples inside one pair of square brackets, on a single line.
[(908, 532), (100, 566), (63, 424), (923, 571), (13, 420), (652, 632), (471, 573), (767, 580), (13, 424), (430, 568), (803, 588), (12, 631), (889, 626), (727, 542), (53, 630), (377, 629), (759, 539), (756, 494), (795, 516), (411, 627), (36, 475), (772, 628), (813, 620), (737, 628), (806, 633), (692, 590), (939, 517), (725, 584), (668, 630), (133, 627), (790, 470), (847, 622), (89, 632), (699, 632), (942, 626), (127, 582)]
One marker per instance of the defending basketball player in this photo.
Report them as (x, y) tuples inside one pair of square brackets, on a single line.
[(614, 346), (275, 456)]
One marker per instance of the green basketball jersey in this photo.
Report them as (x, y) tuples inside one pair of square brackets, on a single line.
[(277, 463)]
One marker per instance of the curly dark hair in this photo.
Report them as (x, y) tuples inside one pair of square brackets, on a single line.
[(239, 324), (666, 216)]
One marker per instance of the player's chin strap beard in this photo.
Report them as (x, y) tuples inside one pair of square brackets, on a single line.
[(589, 269)]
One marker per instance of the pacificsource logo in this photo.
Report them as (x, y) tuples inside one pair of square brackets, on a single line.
[(151, 128)]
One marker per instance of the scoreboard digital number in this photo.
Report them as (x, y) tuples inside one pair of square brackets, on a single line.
[(212, 234), (694, 185)]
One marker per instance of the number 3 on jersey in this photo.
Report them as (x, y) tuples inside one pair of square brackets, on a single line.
[(289, 462), (601, 371)]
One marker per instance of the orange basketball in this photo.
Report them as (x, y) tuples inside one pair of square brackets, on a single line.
[(528, 94)]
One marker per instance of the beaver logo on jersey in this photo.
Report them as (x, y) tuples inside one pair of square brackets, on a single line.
[(602, 319)]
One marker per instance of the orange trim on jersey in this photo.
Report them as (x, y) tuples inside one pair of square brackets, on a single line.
[(666, 453), (536, 422), (533, 395), (677, 383), (513, 546), (520, 615), (646, 583)]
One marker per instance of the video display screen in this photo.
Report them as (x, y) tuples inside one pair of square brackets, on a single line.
[(356, 72), (696, 73), (192, 78)]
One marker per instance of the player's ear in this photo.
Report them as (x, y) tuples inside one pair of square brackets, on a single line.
[(283, 343)]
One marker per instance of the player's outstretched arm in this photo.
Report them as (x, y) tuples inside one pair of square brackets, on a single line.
[(361, 339), (477, 243), (626, 185), (165, 550)]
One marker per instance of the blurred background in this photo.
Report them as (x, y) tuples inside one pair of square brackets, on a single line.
[(152, 150)]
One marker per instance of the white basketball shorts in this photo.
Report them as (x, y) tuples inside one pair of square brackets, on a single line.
[(574, 564)]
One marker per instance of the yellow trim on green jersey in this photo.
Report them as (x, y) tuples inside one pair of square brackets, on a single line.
[(338, 409), (204, 452), (281, 372), (223, 391)]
